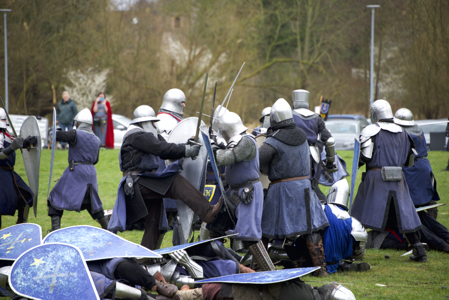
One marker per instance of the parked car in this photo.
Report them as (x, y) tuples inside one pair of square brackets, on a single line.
[(345, 128), (17, 121), (427, 129), (121, 124)]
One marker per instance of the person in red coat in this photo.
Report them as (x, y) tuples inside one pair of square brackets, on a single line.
[(102, 115)]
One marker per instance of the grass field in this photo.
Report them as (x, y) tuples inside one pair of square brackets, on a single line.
[(402, 278)]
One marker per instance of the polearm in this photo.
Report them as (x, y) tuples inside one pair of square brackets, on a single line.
[(230, 89), (438, 122), (229, 100), (9, 119), (212, 112), (201, 110)]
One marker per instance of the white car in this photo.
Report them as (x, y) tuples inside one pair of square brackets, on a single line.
[(121, 124), (17, 121)]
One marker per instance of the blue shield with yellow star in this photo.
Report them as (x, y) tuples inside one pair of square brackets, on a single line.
[(96, 243), (268, 277), (17, 239), (52, 271)]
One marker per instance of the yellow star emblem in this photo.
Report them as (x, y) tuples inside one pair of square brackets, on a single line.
[(5, 236), (37, 262)]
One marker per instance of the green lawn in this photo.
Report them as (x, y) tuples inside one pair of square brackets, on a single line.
[(403, 279)]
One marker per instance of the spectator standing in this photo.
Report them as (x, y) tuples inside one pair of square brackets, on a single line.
[(65, 113), (103, 126)]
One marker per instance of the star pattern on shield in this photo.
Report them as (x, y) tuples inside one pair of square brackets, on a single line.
[(37, 262), (5, 236)]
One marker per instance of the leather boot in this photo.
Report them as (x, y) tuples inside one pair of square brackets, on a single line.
[(215, 210), (348, 266), (419, 253), (166, 289), (103, 222), (315, 246), (55, 223)]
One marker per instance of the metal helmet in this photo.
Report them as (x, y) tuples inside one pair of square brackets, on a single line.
[(339, 194), (342, 293), (84, 116), (265, 112), (3, 119), (229, 125), (144, 113), (218, 113), (280, 111), (173, 100), (301, 99), (380, 109), (404, 116)]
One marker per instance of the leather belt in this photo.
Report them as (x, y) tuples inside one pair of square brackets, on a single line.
[(289, 179), (73, 163), (239, 186), (374, 169), (9, 169)]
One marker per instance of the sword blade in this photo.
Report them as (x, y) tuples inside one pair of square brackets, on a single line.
[(430, 123), (230, 89), (201, 110), (229, 100), (213, 107)]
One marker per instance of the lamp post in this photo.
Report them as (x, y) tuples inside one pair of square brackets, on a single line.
[(6, 60), (371, 71)]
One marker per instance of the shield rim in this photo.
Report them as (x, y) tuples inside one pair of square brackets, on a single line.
[(220, 279), (25, 156)]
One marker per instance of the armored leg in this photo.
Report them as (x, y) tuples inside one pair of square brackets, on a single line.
[(447, 168), (123, 291), (419, 253), (103, 222), (261, 256), (315, 246), (55, 223)]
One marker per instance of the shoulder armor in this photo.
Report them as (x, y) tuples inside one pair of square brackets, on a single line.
[(233, 141), (305, 112), (368, 132), (358, 231), (415, 130), (166, 123), (339, 213), (391, 127)]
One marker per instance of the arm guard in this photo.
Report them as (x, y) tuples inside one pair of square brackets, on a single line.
[(244, 150), (330, 155), (66, 137), (267, 154), (182, 258)]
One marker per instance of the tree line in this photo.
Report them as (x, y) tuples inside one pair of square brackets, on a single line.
[(152, 46)]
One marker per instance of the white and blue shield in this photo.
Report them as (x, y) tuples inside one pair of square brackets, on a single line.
[(186, 246), (355, 167), (52, 271), (96, 243), (17, 239), (268, 277)]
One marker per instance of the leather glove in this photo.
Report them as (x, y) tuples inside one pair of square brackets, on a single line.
[(29, 140), (192, 150), (17, 143)]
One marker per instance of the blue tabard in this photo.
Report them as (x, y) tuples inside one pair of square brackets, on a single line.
[(372, 203), (337, 239), (9, 195), (148, 162), (309, 125), (419, 176), (249, 216), (291, 207), (106, 266), (69, 191), (102, 284)]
